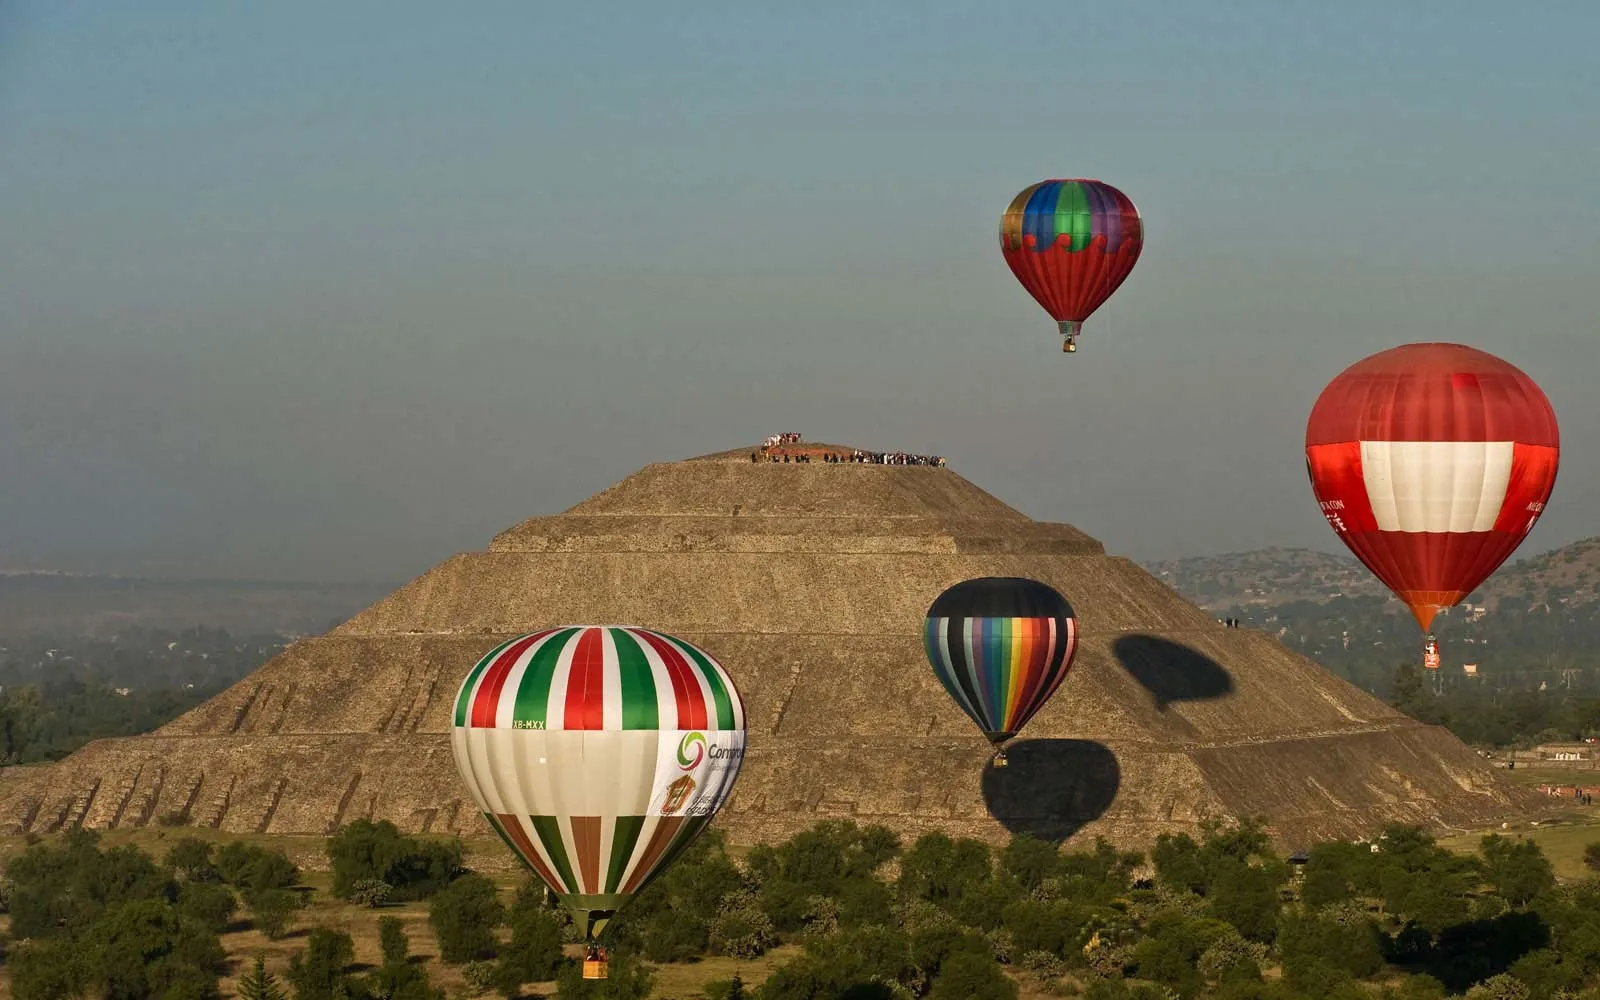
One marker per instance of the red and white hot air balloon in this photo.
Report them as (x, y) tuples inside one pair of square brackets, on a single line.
[(1432, 462)]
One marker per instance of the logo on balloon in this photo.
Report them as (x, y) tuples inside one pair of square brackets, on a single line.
[(691, 742)]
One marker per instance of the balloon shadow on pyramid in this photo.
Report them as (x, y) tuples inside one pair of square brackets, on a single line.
[(1051, 788), (1171, 671)]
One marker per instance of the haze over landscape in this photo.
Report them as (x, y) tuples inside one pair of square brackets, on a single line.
[(350, 353), (299, 292)]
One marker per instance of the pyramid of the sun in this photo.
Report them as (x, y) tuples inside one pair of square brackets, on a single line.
[(809, 582)]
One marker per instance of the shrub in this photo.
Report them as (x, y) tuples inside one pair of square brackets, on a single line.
[(252, 869), (464, 916), (479, 976), (392, 940), (271, 909), (365, 851), (534, 951), (317, 972), (741, 928), (211, 904), (371, 892), (190, 858)]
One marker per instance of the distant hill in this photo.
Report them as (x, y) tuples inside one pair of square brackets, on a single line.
[(1266, 576), (1569, 575), (1534, 624), (36, 603)]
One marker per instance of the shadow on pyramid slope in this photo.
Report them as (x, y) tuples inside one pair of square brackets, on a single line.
[(1051, 789), (1171, 671), (809, 582)]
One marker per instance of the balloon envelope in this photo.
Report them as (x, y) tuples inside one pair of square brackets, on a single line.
[(1071, 243), (1000, 646), (598, 753), (1432, 462)]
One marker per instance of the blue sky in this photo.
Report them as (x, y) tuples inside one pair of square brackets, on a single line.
[(336, 290)]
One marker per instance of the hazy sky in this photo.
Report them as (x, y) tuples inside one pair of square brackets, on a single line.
[(334, 290)]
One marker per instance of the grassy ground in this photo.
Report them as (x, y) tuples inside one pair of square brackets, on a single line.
[(1562, 837)]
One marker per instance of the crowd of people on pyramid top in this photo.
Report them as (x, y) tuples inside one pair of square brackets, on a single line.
[(770, 452)]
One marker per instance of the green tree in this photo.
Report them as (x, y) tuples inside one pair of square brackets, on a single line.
[(1246, 896), (1030, 860), (396, 978), (146, 948), (392, 940), (969, 976), (741, 928), (364, 851), (464, 916), (1591, 857), (1332, 872), (250, 868), (534, 952), (318, 971), (62, 889), (1518, 870), (1313, 944), (259, 984), (190, 858), (272, 909), (942, 870), (1407, 691), (211, 904), (47, 970)]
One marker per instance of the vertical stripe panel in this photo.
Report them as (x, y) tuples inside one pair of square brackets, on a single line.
[(685, 688), (586, 839), (624, 838), (585, 706), (464, 696), (636, 682), (532, 704), (548, 830), (719, 691), (486, 701)]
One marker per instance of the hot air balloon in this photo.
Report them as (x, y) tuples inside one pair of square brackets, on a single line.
[(1432, 462), (1071, 243), (1000, 646), (598, 754)]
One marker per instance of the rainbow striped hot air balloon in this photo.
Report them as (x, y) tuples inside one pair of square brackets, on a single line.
[(1000, 646), (1071, 243), (598, 753)]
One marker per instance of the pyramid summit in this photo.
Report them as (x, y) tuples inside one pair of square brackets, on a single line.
[(808, 580)]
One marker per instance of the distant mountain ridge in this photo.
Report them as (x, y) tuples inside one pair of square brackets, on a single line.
[(35, 602), (1569, 575)]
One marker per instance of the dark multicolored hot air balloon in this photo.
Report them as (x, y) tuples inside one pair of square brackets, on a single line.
[(1432, 462), (1071, 243), (1000, 646), (598, 754)]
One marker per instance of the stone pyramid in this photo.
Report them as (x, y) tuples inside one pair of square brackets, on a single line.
[(809, 582)]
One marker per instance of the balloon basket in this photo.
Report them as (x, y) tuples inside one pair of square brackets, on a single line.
[(594, 968), (1000, 760)]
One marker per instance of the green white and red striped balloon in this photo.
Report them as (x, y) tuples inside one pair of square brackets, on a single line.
[(598, 753)]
